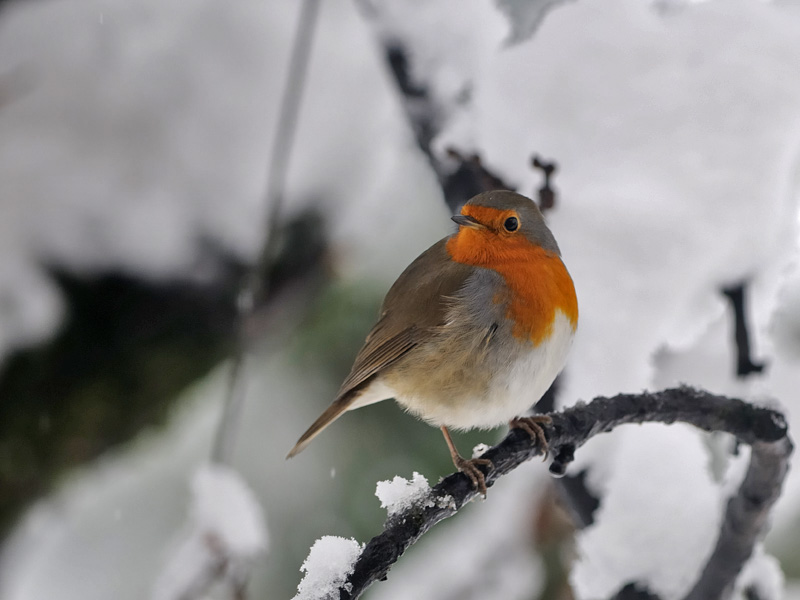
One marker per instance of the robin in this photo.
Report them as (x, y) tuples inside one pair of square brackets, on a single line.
[(473, 332)]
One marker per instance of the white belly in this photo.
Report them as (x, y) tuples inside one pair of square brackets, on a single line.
[(513, 393), (512, 390)]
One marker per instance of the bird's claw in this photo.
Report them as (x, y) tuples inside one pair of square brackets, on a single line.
[(470, 468), (533, 427)]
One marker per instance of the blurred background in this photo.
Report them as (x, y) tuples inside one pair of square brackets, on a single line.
[(136, 140)]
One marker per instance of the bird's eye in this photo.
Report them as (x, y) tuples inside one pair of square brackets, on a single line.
[(511, 224)]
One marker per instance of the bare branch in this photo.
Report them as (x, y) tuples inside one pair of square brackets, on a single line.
[(461, 176), (745, 519), (744, 362), (256, 286), (763, 429), (546, 193), (216, 560)]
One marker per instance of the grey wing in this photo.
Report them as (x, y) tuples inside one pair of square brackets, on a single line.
[(413, 308)]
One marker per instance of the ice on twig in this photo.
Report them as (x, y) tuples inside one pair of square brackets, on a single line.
[(330, 561)]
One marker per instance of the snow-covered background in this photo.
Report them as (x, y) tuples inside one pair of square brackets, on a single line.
[(132, 133)]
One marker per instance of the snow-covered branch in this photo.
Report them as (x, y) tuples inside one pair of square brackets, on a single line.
[(763, 429), (460, 176)]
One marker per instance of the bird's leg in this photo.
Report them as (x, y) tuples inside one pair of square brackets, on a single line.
[(468, 467), (533, 427)]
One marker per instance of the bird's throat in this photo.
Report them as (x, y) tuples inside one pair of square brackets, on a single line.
[(538, 284)]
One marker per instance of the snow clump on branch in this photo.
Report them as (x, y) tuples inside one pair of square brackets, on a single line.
[(330, 561)]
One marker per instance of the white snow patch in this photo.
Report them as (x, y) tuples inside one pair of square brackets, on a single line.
[(330, 561), (442, 36), (225, 505), (226, 533), (30, 305), (486, 553), (110, 143), (399, 493), (480, 450), (661, 498), (763, 574)]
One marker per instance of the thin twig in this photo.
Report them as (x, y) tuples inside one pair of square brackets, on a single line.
[(256, 285), (461, 176), (763, 429), (745, 519), (255, 289), (744, 362)]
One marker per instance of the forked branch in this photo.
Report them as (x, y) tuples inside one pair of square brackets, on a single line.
[(764, 430)]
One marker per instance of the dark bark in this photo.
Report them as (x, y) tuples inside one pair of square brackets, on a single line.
[(461, 176), (745, 518), (578, 500), (744, 363), (635, 591), (546, 193)]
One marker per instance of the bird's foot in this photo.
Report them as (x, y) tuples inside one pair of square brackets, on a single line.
[(533, 427), (471, 468)]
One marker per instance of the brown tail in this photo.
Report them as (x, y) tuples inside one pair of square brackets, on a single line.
[(333, 412)]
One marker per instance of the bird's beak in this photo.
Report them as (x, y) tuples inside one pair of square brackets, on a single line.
[(468, 221)]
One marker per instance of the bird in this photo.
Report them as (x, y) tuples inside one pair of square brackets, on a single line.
[(473, 332)]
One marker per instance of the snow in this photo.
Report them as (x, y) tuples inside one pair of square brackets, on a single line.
[(226, 535), (486, 551), (676, 126), (762, 573), (680, 506), (441, 37), (147, 204), (122, 519), (677, 134), (30, 306), (399, 493), (137, 143), (479, 450), (107, 530), (671, 241), (330, 560), (224, 505), (147, 92)]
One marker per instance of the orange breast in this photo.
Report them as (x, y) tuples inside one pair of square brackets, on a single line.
[(538, 282)]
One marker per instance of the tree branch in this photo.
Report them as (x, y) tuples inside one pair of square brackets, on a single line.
[(256, 286), (460, 176), (763, 429), (744, 363)]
